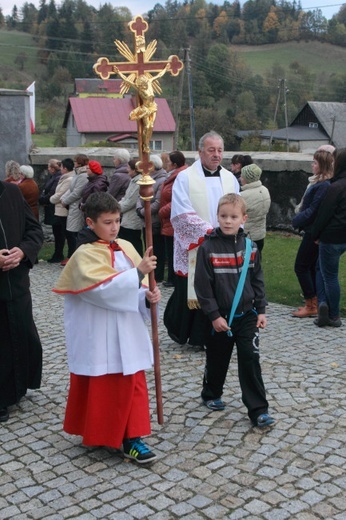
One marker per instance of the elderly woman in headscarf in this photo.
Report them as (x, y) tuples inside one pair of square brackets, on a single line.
[(29, 188)]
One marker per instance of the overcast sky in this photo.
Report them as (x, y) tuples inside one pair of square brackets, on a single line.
[(328, 7)]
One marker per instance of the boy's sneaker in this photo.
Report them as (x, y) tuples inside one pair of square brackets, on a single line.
[(264, 420), (214, 404), (137, 450)]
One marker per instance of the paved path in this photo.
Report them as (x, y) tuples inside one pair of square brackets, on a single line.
[(211, 465)]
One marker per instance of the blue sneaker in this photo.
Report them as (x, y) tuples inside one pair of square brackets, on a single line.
[(137, 450), (264, 420), (214, 404)]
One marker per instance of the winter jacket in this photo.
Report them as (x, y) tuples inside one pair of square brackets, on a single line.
[(219, 263), (166, 202), (48, 191), (119, 181), (257, 199), (62, 187), (159, 176), (330, 222), (94, 184), (130, 219), (310, 204), (18, 228), (72, 198), (31, 194)]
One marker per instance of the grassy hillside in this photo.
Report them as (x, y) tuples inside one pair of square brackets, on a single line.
[(12, 44), (316, 56)]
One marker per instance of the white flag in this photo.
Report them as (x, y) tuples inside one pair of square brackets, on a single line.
[(31, 88)]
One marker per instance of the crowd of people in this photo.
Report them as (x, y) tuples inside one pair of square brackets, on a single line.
[(208, 230)]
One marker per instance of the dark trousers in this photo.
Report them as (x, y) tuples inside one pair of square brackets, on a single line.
[(159, 252), (71, 237), (305, 265), (169, 241), (134, 236), (59, 232), (260, 245), (219, 348)]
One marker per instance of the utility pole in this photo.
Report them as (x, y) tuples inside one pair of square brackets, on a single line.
[(285, 91), (192, 113), (179, 102), (275, 114), (281, 89), (332, 132)]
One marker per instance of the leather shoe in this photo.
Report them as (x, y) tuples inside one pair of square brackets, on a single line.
[(4, 415), (55, 260)]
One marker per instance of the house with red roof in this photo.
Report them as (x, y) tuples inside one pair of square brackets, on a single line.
[(85, 87), (95, 119)]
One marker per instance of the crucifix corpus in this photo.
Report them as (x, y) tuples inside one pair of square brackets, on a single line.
[(136, 73)]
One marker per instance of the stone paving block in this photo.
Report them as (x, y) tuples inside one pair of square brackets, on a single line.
[(103, 512), (181, 509), (9, 512), (239, 513), (276, 514), (42, 513)]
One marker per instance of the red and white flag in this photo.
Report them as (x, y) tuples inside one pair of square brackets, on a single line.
[(31, 88)]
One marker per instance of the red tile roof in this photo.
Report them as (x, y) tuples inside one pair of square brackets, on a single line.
[(111, 115)]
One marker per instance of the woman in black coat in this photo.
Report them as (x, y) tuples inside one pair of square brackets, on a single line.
[(49, 208), (329, 230), (21, 238)]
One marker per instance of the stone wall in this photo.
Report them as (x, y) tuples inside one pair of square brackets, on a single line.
[(284, 174), (15, 134)]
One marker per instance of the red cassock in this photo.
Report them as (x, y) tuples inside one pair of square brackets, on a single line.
[(104, 410)]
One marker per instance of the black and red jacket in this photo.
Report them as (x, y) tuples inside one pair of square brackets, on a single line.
[(219, 263)]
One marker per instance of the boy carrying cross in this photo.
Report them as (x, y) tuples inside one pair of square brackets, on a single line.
[(107, 340)]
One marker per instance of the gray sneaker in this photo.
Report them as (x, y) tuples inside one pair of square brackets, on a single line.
[(334, 322), (323, 315)]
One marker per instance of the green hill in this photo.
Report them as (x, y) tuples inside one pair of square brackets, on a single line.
[(18, 59), (316, 56)]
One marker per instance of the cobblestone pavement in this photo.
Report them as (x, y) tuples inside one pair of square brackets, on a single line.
[(211, 465)]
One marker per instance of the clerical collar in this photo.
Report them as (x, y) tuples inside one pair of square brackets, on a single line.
[(208, 173)]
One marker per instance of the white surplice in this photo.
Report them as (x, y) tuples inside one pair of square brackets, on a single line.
[(105, 327), (194, 208)]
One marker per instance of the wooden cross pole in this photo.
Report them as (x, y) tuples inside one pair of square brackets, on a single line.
[(136, 73)]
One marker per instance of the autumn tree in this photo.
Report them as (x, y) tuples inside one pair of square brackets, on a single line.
[(271, 25)]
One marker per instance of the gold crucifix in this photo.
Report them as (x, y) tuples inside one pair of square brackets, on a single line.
[(136, 73)]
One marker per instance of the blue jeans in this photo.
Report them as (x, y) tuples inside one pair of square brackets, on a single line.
[(329, 259)]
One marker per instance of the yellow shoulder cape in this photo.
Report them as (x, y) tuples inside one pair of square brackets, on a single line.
[(91, 265)]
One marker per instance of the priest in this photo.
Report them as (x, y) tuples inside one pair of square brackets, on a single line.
[(195, 196)]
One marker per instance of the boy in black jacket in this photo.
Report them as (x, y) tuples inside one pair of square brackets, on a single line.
[(219, 264)]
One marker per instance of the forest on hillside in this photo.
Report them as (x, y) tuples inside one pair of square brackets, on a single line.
[(225, 93)]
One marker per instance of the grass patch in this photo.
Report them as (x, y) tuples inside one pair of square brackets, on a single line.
[(278, 258), (281, 283), (260, 58), (44, 140), (13, 43)]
